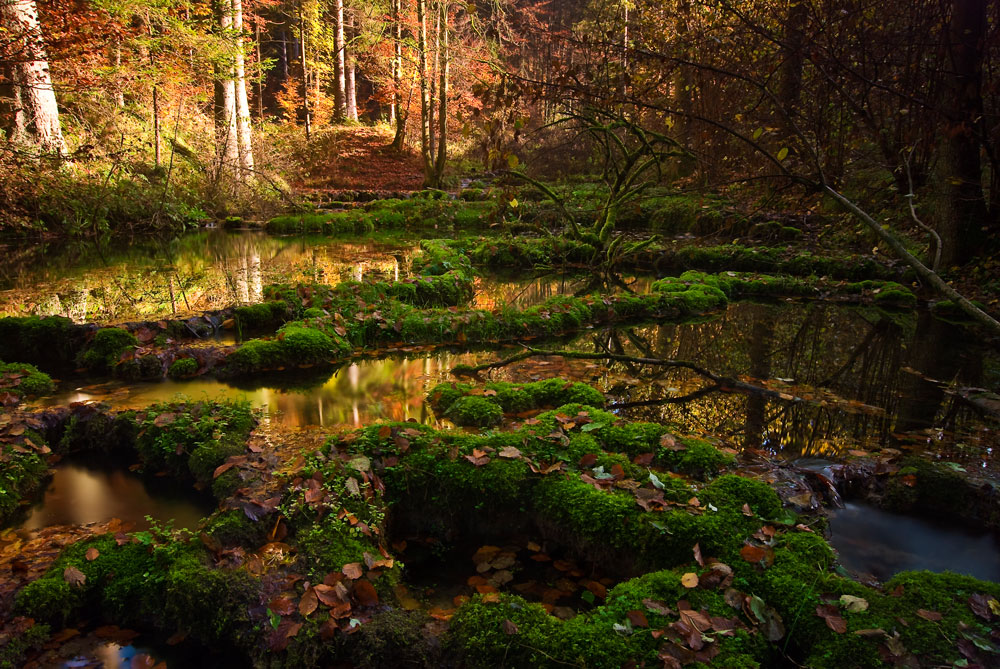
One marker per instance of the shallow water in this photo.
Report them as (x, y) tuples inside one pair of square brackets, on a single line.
[(155, 278), (881, 544), (79, 494)]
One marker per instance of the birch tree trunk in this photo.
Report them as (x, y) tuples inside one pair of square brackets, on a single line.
[(243, 123), (339, 79), (32, 101), (445, 56), (425, 103), (305, 73), (226, 124), (349, 72)]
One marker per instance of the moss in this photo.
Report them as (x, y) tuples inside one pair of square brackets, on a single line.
[(14, 650), (183, 368), (929, 487), (471, 411), (477, 633), (166, 585), (515, 398), (268, 314), (192, 439), (24, 380), (235, 528), (48, 341), (732, 492), (329, 544), (293, 346), (395, 638), (107, 348), (20, 475)]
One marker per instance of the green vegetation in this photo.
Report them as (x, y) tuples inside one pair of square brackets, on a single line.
[(106, 349), (24, 380)]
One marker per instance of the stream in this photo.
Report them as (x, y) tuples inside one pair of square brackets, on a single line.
[(850, 378)]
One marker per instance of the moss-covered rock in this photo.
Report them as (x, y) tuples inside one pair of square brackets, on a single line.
[(183, 368), (23, 380), (106, 349)]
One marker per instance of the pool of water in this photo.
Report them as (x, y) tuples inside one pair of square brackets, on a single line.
[(874, 542), (80, 493)]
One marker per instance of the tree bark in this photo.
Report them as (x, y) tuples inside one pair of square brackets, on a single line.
[(425, 103), (33, 108), (243, 123), (790, 84), (226, 128), (397, 76), (339, 79), (305, 72), (445, 56), (964, 213), (350, 72)]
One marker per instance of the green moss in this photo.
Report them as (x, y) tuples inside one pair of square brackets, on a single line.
[(929, 487), (235, 528), (471, 411), (329, 544), (107, 348), (24, 380), (48, 341), (183, 368), (477, 633), (515, 398), (192, 439), (732, 492), (294, 345), (14, 650), (263, 315), (20, 475), (395, 638)]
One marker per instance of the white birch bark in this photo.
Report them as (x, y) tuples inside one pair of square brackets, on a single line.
[(33, 100), (243, 124)]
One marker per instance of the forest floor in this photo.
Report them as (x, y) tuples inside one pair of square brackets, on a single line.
[(359, 158)]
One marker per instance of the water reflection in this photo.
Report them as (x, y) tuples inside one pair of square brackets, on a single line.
[(854, 367), (207, 270), (879, 543), (79, 494)]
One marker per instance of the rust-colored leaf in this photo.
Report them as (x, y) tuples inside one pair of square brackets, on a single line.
[(283, 605), (364, 593), (831, 615), (353, 570), (637, 618), (932, 616), (308, 603), (92, 554)]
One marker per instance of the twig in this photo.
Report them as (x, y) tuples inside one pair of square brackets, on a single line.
[(913, 214)]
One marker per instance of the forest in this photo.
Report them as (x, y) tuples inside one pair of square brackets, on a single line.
[(501, 333)]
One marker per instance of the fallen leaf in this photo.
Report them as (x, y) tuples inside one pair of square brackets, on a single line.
[(74, 576), (689, 580), (308, 603), (831, 615), (637, 618), (932, 616), (352, 570), (365, 593), (509, 628), (92, 554), (853, 604)]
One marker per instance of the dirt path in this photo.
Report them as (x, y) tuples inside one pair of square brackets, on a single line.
[(360, 158)]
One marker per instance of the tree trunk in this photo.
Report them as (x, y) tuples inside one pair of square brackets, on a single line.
[(433, 79), (243, 123), (226, 128), (397, 76), (339, 79), (963, 210), (425, 103), (305, 72), (119, 90), (34, 111), (349, 75), (445, 56), (790, 83)]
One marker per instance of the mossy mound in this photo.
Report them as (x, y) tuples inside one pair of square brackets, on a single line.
[(145, 580), (514, 398), (23, 380), (294, 345), (106, 349), (49, 341), (23, 470), (259, 316), (192, 439), (183, 368)]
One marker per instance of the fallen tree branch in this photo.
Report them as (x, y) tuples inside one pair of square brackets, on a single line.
[(722, 383), (921, 269)]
